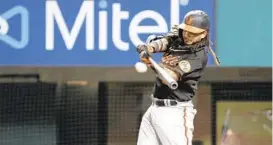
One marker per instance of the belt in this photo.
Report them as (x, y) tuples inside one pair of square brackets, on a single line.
[(165, 102)]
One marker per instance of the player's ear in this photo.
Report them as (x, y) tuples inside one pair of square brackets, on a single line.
[(204, 34)]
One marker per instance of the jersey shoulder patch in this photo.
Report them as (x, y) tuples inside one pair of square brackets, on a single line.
[(185, 66)]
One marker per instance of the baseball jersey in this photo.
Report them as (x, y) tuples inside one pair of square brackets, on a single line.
[(190, 67)]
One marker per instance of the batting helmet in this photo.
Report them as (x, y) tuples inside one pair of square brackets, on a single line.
[(195, 21)]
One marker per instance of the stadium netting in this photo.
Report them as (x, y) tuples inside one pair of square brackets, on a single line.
[(27, 111), (33, 112)]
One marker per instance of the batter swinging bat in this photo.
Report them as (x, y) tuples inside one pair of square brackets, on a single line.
[(163, 75)]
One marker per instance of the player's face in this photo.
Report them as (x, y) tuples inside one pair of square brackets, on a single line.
[(191, 38)]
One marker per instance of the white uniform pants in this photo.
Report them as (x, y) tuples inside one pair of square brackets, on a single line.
[(167, 125)]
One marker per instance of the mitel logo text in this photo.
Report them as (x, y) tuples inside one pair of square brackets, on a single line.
[(56, 22), (99, 18)]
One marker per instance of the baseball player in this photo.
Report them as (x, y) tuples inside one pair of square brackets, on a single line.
[(169, 120)]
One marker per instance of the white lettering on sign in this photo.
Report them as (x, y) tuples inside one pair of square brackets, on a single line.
[(87, 14)]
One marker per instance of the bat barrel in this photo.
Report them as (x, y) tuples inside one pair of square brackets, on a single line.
[(172, 84)]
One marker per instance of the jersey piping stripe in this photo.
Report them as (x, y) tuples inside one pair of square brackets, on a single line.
[(185, 125)]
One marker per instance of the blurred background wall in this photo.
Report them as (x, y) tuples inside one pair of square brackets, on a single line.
[(244, 33), (61, 87)]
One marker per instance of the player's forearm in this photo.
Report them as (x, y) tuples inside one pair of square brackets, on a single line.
[(159, 45)]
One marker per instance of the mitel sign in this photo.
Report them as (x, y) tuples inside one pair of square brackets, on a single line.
[(92, 33)]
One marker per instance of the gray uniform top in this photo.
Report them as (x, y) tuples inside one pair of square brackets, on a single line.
[(190, 67)]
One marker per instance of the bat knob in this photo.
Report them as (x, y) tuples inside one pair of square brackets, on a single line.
[(173, 85)]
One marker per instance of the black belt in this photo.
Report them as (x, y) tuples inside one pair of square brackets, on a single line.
[(165, 102)]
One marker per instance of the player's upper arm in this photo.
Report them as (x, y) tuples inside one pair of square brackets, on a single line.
[(159, 45), (162, 43)]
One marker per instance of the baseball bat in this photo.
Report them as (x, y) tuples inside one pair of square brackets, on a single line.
[(163, 75)]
